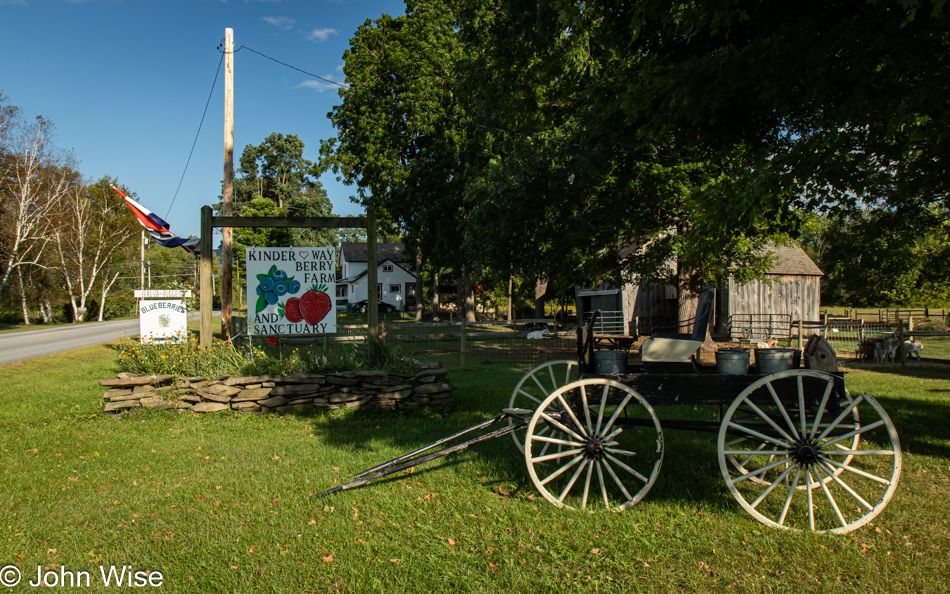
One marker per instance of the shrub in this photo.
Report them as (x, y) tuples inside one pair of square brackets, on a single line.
[(188, 359)]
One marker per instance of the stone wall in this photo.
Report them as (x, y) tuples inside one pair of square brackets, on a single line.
[(275, 393)]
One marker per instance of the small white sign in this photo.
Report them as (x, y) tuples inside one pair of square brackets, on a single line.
[(163, 321), (161, 294), (290, 291)]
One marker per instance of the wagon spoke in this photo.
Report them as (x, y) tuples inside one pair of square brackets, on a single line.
[(781, 408), (772, 486), (841, 417), (811, 503), (859, 453), (628, 469), (761, 436), (529, 397), (554, 385), (562, 470), (619, 484), (600, 413), (831, 500), (802, 413), (557, 425), (788, 498), (834, 441), (613, 417), (570, 483), (603, 487), (760, 471), (558, 455), (590, 469), (558, 441), (851, 491), (821, 409), (857, 471), (532, 389), (769, 420), (586, 407), (753, 453), (570, 412)]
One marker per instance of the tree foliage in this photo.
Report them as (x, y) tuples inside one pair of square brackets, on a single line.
[(275, 180)]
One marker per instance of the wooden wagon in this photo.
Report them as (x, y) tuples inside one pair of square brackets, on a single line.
[(800, 448)]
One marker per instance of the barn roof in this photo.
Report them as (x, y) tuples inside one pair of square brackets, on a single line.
[(356, 252), (792, 260)]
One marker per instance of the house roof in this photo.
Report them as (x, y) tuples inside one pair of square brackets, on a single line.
[(356, 252), (792, 260), (364, 273)]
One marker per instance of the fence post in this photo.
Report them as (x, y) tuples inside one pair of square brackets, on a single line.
[(900, 337), (801, 330), (463, 319)]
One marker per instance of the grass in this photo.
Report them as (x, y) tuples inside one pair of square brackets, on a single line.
[(220, 503)]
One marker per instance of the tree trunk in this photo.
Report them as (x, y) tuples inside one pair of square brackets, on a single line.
[(465, 296), (511, 305), (105, 291), (419, 307), (539, 291), (26, 310), (435, 296)]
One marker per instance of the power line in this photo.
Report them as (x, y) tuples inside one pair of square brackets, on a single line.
[(195, 143), (326, 80)]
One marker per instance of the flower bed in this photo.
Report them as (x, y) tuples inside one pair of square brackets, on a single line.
[(301, 392)]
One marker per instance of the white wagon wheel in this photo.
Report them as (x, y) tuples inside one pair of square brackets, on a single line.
[(538, 384), (611, 445), (743, 442), (811, 473)]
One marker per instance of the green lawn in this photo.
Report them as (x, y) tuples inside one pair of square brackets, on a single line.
[(220, 503)]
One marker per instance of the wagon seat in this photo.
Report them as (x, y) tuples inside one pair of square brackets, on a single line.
[(664, 347)]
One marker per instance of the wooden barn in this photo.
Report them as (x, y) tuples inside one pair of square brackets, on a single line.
[(759, 309), (754, 310)]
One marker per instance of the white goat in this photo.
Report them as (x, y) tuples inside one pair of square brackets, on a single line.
[(538, 334)]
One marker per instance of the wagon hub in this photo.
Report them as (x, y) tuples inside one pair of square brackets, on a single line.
[(594, 449), (805, 453)]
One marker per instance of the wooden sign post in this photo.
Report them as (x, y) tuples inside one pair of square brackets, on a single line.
[(209, 222)]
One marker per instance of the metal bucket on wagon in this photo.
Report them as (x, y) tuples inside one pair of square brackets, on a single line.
[(610, 362), (774, 360), (732, 361)]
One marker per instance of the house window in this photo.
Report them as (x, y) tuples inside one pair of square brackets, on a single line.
[(395, 288), (387, 267)]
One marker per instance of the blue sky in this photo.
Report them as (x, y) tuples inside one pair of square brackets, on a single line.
[(126, 82)]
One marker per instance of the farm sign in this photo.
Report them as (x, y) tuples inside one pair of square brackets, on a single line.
[(291, 291), (162, 321)]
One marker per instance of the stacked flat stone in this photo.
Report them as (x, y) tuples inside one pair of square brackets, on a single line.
[(281, 394)]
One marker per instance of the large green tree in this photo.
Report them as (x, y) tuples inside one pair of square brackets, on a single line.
[(842, 101), (400, 129), (274, 179), (567, 188)]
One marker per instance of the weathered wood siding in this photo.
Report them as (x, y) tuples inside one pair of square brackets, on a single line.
[(798, 296)]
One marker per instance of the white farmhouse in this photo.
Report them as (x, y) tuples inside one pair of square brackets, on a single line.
[(396, 284)]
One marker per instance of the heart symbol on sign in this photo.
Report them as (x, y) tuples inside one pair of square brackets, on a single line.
[(303, 254)]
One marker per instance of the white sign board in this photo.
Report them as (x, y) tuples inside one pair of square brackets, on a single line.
[(291, 291), (163, 321), (161, 294)]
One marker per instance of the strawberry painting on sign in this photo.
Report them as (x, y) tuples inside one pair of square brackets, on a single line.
[(278, 300)]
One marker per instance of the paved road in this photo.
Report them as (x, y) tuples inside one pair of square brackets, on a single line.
[(18, 346)]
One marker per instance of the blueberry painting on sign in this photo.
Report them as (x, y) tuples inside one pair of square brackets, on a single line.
[(276, 306)]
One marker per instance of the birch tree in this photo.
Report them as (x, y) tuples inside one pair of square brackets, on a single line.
[(94, 226), (36, 178)]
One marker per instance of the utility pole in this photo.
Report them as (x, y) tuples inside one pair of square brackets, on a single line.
[(142, 262), (226, 255)]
